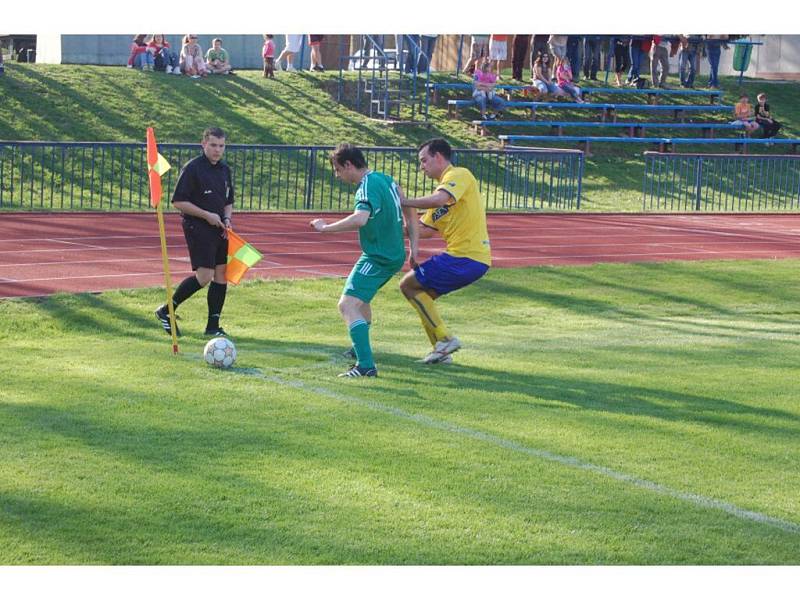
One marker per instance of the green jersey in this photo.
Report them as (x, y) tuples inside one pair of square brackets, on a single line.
[(381, 237)]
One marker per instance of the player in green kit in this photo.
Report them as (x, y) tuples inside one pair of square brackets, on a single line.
[(378, 217)]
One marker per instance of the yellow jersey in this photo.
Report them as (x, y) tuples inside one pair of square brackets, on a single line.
[(462, 222)]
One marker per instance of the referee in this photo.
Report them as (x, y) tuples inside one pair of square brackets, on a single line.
[(204, 195)]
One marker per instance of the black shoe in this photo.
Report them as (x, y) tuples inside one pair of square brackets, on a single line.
[(162, 314), (356, 371), (216, 331), (319, 68), (349, 353)]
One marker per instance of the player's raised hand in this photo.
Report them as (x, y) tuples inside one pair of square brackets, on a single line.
[(318, 224)]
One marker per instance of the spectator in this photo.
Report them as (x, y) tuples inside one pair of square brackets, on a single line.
[(140, 57), (659, 56), (217, 59), (483, 91), (478, 49), (622, 57), (687, 60), (166, 59), (564, 79), (714, 45), (558, 45), (764, 117), (539, 46), (268, 54), (519, 54), (2, 63), (574, 45), (192, 62), (315, 42), (293, 45), (591, 56), (428, 47), (639, 48), (543, 77), (743, 111), (498, 50)]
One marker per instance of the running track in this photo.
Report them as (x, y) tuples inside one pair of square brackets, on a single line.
[(76, 252)]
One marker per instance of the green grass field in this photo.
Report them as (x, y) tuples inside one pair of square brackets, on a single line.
[(612, 414), (92, 103)]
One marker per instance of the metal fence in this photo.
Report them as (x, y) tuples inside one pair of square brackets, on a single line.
[(113, 176), (721, 182)]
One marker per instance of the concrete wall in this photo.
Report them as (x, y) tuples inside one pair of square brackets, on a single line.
[(245, 50)]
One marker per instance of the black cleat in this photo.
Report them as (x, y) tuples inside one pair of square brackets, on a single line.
[(162, 314), (357, 371), (216, 332), (349, 353)]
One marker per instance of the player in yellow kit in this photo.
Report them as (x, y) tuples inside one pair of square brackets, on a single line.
[(456, 211)]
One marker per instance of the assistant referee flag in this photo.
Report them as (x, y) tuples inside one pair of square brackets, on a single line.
[(157, 165), (241, 256)]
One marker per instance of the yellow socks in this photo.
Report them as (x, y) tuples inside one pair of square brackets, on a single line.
[(429, 315)]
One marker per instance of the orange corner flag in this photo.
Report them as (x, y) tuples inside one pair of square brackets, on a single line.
[(157, 165), (241, 256)]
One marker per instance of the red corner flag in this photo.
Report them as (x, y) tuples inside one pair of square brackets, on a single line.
[(157, 165)]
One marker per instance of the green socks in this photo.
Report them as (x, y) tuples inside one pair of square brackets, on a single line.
[(359, 333)]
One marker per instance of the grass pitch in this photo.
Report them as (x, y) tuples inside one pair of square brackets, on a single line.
[(612, 414)]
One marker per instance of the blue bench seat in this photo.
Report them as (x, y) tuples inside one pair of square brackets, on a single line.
[(607, 110), (633, 129), (664, 143)]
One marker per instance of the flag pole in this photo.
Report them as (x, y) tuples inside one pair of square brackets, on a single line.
[(157, 166), (167, 279)]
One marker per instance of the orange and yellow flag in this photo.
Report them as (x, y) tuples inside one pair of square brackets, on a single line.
[(241, 256), (157, 165)]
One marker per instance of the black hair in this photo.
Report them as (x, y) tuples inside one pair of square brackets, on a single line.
[(215, 132), (438, 146), (349, 153)]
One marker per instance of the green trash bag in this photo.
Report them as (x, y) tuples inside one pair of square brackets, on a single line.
[(741, 57)]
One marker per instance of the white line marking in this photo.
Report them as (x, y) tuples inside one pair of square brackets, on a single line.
[(73, 243), (570, 461)]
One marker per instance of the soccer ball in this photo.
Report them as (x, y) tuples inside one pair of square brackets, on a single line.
[(220, 352)]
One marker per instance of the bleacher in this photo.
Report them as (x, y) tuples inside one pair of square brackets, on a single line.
[(664, 144), (632, 129), (607, 110), (652, 94)]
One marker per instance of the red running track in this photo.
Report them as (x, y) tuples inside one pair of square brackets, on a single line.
[(41, 254)]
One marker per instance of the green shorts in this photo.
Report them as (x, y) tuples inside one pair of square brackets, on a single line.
[(367, 277)]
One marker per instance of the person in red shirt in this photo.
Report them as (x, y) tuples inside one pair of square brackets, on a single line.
[(166, 58), (140, 57)]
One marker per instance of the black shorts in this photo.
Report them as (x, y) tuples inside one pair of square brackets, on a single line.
[(207, 247)]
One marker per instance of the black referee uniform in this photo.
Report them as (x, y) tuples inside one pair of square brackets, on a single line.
[(210, 187)]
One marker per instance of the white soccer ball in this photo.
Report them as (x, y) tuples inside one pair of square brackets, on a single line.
[(220, 352)]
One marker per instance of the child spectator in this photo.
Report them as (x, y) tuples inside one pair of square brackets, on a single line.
[(166, 59), (743, 111), (268, 54), (293, 44), (315, 41), (764, 117), (543, 77), (483, 91), (564, 79), (192, 62), (217, 59), (498, 50), (140, 57)]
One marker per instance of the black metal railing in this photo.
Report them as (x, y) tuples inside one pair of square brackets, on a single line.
[(106, 176)]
